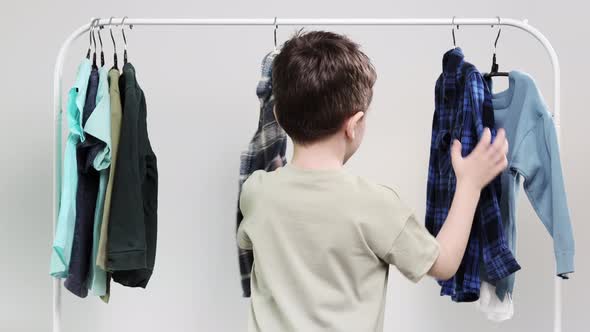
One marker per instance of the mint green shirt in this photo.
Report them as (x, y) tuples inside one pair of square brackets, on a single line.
[(99, 125), (64, 233)]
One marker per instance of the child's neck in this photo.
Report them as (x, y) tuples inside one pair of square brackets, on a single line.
[(322, 155)]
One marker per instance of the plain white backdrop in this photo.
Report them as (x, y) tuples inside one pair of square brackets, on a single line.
[(202, 110)]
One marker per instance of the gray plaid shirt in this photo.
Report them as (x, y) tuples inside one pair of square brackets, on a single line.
[(266, 151)]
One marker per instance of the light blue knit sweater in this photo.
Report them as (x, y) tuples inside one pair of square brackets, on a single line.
[(533, 159)]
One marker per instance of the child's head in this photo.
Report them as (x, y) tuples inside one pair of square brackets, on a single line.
[(322, 86)]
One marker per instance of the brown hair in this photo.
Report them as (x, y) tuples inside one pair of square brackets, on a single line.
[(320, 79)]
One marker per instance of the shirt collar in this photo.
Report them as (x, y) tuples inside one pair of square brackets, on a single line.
[(128, 76), (81, 86), (452, 59), (83, 74)]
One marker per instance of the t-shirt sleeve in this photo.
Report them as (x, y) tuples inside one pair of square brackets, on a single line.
[(414, 250), (399, 239), (243, 238), (246, 206)]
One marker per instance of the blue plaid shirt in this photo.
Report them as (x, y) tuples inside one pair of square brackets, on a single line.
[(463, 107)]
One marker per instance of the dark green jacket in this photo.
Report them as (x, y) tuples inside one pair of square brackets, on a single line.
[(132, 233)]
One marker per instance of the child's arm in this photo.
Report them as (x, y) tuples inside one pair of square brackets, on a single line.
[(473, 173)]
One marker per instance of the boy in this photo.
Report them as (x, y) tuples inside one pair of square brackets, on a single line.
[(322, 238)]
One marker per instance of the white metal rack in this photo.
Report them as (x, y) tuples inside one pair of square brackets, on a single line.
[(57, 105)]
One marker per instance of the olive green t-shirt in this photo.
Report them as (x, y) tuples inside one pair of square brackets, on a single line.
[(322, 242)]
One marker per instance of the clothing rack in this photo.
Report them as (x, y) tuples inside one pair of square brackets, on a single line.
[(57, 81)]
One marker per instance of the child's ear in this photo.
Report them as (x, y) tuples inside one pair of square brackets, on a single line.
[(352, 123)]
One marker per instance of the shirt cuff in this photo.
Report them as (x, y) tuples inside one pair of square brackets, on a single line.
[(127, 260), (58, 268), (428, 263), (244, 242), (565, 263)]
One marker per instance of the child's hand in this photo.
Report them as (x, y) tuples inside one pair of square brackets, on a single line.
[(483, 164)]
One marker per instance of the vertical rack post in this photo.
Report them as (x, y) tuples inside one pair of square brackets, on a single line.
[(57, 102)]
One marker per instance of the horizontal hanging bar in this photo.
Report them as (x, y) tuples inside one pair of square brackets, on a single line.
[(312, 21)]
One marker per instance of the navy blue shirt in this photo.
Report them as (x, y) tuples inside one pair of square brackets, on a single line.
[(86, 194), (463, 107)]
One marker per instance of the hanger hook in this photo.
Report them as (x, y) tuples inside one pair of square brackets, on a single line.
[(111, 32), (92, 33), (275, 32), (98, 28), (497, 36), (93, 27), (123, 31), (94, 30), (124, 38), (115, 64), (90, 38), (453, 31)]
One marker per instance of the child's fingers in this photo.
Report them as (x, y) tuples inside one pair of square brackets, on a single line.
[(497, 158), (456, 152), (484, 141), (497, 148), (500, 139), (500, 166), (498, 155)]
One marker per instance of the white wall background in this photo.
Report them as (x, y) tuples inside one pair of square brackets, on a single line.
[(200, 86)]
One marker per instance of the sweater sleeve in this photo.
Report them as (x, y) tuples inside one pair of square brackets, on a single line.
[(544, 186)]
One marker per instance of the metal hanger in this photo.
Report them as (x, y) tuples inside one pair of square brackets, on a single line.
[(98, 28), (453, 31), (115, 65), (495, 67), (124, 38), (89, 40), (92, 28), (275, 32)]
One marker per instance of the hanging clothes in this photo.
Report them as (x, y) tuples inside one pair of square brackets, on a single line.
[(86, 195), (462, 108), (66, 220), (116, 115), (534, 160), (132, 229), (266, 151), (491, 306), (93, 162), (100, 127)]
